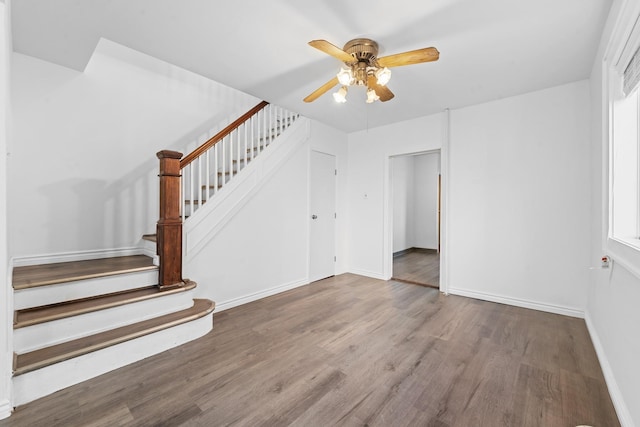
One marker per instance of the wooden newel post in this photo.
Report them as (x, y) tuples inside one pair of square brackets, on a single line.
[(169, 227)]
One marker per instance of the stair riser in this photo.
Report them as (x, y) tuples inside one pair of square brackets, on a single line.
[(41, 382), (52, 294), (150, 249), (54, 332)]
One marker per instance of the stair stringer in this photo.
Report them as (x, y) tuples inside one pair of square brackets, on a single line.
[(210, 219)]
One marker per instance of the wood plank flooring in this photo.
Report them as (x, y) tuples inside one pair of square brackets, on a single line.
[(353, 351), (418, 266)]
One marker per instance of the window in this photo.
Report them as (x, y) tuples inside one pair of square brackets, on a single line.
[(624, 159), (622, 78)]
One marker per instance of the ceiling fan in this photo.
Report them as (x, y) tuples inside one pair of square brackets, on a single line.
[(362, 67)]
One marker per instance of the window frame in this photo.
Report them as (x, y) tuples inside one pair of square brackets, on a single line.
[(624, 43)]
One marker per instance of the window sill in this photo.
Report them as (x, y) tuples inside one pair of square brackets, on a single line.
[(626, 252)]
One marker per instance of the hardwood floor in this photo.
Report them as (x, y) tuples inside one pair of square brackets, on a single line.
[(349, 351), (417, 266)]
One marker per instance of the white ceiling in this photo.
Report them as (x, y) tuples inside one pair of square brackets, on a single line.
[(489, 49)]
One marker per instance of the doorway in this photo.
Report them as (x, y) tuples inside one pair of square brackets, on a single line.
[(415, 195), (322, 216)]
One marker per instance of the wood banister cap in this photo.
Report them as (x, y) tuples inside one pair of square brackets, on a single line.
[(168, 154)]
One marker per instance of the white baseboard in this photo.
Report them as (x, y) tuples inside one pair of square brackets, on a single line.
[(614, 391), (367, 273), (74, 256), (5, 409), (534, 305), (225, 305)]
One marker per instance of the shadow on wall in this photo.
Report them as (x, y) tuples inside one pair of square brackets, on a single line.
[(103, 127), (84, 206), (82, 209), (132, 201)]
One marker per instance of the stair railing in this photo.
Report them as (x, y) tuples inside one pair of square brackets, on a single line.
[(187, 183)]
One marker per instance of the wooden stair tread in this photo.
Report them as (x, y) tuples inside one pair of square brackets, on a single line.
[(61, 272), (41, 358), (35, 315), (242, 160), (259, 147), (150, 237)]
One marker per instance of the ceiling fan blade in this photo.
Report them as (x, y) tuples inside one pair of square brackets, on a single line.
[(383, 92), (427, 54), (332, 50), (321, 90)]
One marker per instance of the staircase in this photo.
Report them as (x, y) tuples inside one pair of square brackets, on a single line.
[(77, 320), (213, 165)]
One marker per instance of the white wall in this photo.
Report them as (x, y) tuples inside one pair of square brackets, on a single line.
[(370, 228), (519, 200), (402, 193), (83, 165), (263, 247), (613, 295), (5, 134), (426, 170)]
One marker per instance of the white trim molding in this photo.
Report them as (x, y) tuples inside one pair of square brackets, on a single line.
[(534, 305), (367, 273), (225, 305), (5, 409), (614, 391)]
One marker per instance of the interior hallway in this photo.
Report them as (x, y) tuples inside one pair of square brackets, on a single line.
[(417, 266)]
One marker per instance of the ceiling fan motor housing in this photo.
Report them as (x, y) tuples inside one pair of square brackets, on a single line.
[(364, 52)]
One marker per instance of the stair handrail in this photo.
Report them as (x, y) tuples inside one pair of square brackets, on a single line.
[(178, 179), (220, 135)]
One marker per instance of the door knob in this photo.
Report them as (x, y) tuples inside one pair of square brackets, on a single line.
[(314, 216)]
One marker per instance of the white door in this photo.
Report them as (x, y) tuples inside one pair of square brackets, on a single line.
[(322, 212)]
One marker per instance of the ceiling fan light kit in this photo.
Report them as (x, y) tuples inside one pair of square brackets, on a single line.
[(372, 96), (362, 67), (341, 95)]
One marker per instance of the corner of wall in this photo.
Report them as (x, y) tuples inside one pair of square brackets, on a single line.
[(614, 390)]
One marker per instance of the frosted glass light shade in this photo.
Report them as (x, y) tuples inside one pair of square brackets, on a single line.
[(383, 75), (372, 96), (341, 95), (345, 76)]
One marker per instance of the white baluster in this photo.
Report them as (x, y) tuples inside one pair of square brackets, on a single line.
[(224, 162), (207, 176), (216, 168), (246, 135), (270, 123), (254, 123), (191, 167), (182, 192), (264, 135), (230, 156), (199, 192)]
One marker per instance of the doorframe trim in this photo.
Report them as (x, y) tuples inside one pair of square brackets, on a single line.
[(387, 219)]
